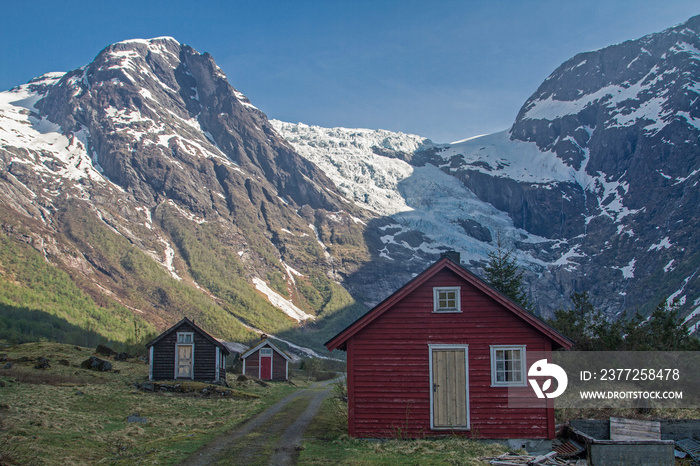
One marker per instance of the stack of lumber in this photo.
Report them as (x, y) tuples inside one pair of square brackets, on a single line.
[(512, 459)]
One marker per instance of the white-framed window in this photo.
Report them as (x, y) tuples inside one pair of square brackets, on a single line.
[(185, 337), (266, 352), (446, 299), (508, 366)]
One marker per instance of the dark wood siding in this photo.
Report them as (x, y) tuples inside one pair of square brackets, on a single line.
[(204, 357), (388, 365)]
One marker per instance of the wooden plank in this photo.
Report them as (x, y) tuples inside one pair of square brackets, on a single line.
[(461, 376), (634, 429), (440, 381)]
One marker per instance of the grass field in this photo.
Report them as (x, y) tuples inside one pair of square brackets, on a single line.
[(327, 443), (71, 416)]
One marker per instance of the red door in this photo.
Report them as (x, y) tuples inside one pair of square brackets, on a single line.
[(266, 367)]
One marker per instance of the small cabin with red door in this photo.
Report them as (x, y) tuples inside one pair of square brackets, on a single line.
[(440, 356), (265, 361), (186, 352)]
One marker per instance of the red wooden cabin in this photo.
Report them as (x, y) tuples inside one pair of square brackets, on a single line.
[(265, 361), (440, 355)]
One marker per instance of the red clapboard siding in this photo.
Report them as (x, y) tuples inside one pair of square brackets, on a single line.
[(252, 362), (388, 359)]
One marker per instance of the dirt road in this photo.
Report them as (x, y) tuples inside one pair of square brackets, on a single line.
[(272, 437)]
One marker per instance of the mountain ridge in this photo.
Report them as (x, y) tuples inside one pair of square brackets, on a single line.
[(147, 154), (162, 190)]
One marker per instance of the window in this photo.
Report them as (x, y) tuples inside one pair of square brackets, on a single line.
[(508, 366), (266, 352), (446, 299), (184, 337)]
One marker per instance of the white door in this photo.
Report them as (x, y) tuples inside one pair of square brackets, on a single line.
[(183, 363)]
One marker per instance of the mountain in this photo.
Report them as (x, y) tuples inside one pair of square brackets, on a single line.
[(595, 186), (143, 187), (153, 190)]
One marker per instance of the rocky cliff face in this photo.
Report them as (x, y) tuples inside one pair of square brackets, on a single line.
[(161, 191), (148, 153), (625, 121), (596, 182)]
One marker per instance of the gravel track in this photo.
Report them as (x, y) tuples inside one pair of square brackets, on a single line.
[(273, 437)]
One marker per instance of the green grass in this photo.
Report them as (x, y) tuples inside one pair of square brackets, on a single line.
[(326, 442), (29, 284), (68, 415), (256, 449), (449, 451)]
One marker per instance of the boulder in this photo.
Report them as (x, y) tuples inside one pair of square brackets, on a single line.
[(122, 356), (105, 350), (42, 363), (94, 363)]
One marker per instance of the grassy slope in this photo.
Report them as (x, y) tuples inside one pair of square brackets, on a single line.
[(68, 415), (41, 298), (40, 301)]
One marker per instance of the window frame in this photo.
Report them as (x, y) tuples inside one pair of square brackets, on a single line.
[(523, 366), (184, 335), (436, 300)]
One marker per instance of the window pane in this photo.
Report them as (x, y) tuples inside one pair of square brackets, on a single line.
[(447, 299), (508, 365)]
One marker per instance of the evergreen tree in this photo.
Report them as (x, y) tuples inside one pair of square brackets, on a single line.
[(662, 331), (591, 331), (502, 273), (587, 327)]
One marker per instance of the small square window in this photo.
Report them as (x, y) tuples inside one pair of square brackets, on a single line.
[(185, 337), (446, 299), (508, 366)]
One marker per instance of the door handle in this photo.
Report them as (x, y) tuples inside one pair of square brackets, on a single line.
[(435, 386)]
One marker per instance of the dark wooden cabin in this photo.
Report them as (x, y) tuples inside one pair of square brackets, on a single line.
[(186, 352), (265, 361), (439, 356)]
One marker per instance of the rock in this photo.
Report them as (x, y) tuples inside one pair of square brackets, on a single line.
[(105, 350), (242, 378), (64, 362), (8, 365), (94, 363), (147, 386), (122, 356), (42, 363)]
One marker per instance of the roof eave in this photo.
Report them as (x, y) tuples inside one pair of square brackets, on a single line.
[(340, 340)]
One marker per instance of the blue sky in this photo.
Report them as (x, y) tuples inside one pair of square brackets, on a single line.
[(446, 70)]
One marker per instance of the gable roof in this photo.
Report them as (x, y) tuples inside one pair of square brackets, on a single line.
[(340, 340), (266, 343), (197, 329)]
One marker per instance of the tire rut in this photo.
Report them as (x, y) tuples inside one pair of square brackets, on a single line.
[(273, 437)]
